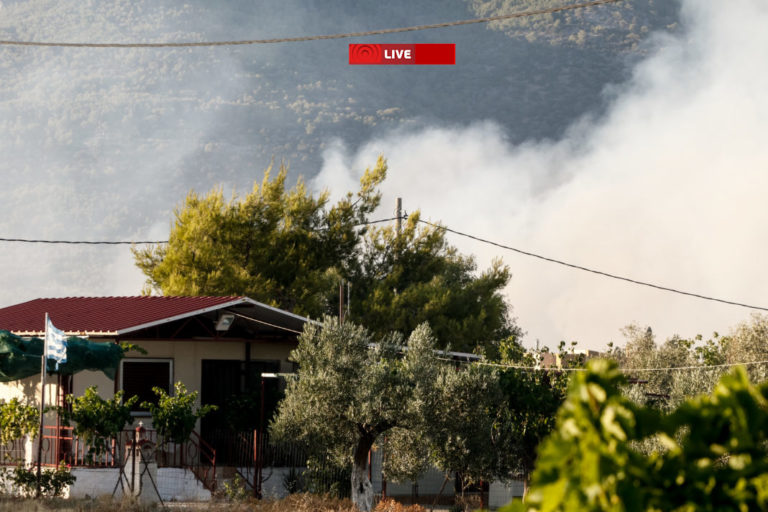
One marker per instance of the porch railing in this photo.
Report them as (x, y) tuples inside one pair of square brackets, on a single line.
[(59, 444), (256, 456), (12, 452)]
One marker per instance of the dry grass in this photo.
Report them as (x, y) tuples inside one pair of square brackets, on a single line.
[(62, 505), (293, 503), (311, 503), (391, 505)]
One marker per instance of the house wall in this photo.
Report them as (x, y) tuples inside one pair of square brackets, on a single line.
[(28, 392), (187, 368), (187, 359)]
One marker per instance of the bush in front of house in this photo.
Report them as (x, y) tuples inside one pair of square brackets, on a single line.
[(174, 417), (53, 482), (97, 421), (17, 420)]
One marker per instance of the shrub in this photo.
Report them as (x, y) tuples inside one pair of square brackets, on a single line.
[(97, 420), (174, 417), (17, 420), (53, 482), (713, 450), (235, 490), (293, 481)]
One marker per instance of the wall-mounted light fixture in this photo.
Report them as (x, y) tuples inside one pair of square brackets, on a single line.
[(225, 321)]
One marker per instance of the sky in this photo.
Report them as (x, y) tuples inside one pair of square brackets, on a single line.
[(658, 177)]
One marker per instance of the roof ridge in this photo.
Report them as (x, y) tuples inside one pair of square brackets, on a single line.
[(71, 297)]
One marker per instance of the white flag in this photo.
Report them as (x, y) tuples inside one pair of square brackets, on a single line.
[(55, 344)]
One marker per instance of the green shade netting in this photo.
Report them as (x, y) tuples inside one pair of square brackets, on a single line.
[(20, 358)]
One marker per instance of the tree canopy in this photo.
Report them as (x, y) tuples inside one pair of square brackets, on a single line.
[(406, 278), (352, 387), (289, 248), (285, 248)]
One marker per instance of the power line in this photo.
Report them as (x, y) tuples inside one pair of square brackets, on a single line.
[(437, 226), (347, 35), (514, 367), (623, 370), (136, 242), (82, 242), (256, 320), (594, 271), (693, 367)]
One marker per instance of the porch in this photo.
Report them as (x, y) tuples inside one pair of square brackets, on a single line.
[(185, 471)]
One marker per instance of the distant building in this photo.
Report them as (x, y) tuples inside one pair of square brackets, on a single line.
[(574, 357)]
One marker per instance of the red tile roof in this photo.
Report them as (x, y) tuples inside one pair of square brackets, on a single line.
[(108, 315)]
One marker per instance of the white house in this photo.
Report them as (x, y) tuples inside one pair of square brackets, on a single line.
[(217, 346)]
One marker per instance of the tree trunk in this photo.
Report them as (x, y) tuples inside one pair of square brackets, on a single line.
[(362, 489), (526, 484)]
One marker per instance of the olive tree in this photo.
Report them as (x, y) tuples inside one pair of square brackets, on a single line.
[(351, 388)]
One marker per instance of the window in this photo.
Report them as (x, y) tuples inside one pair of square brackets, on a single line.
[(139, 376)]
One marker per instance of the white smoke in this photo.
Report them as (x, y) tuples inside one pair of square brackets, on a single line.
[(667, 187)]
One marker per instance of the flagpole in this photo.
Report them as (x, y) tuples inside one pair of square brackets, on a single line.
[(42, 405)]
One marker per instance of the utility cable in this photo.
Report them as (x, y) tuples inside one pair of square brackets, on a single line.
[(256, 320), (82, 242), (415, 28), (623, 370), (137, 242), (593, 271), (444, 228)]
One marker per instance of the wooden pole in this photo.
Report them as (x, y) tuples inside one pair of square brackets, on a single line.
[(399, 214), (59, 403), (260, 464), (42, 406)]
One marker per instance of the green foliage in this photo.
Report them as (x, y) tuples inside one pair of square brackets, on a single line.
[(283, 248), (461, 429), (290, 249), (235, 490), (346, 385), (53, 482), (591, 462), (407, 454), (324, 477), (665, 390), (293, 481), (128, 347), (17, 420), (531, 401), (353, 387), (97, 420), (174, 417), (526, 411), (482, 423), (413, 277), (748, 343)]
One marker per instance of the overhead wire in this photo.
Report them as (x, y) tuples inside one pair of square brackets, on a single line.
[(482, 240), (82, 242), (449, 230), (136, 242), (487, 19), (623, 370), (592, 270), (256, 320)]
